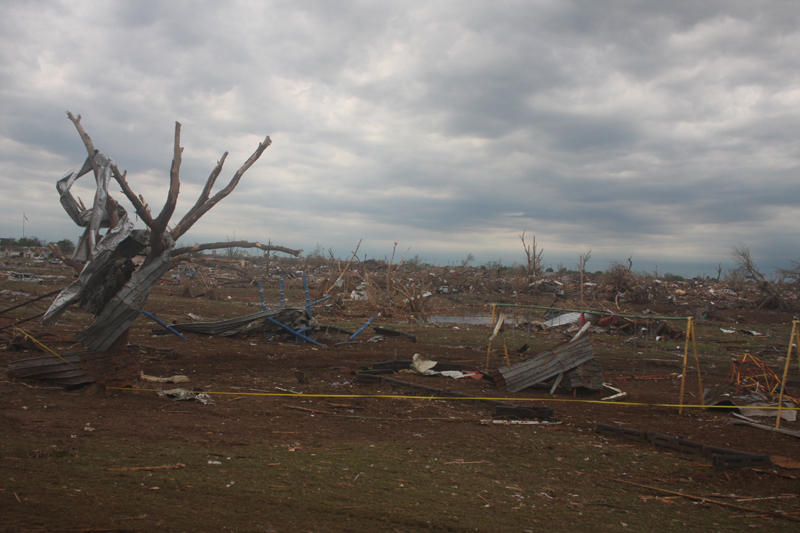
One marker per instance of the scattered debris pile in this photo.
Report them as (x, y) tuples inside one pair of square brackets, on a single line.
[(612, 324), (419, 364), (184, 395), (505, 413), (753, 389), (753, 375), (297, 318)]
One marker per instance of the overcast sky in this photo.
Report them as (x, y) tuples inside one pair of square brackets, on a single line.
[(663, 130)]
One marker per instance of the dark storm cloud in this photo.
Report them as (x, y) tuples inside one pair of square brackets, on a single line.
[(647, 126)]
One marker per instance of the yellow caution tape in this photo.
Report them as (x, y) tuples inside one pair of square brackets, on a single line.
[(404, 397), (45, 347)]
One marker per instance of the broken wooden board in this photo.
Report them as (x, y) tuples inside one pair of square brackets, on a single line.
[(744, 421)]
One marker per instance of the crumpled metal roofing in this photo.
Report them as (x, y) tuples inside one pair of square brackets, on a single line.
[(98, 254), (120, 312), (294, 317)]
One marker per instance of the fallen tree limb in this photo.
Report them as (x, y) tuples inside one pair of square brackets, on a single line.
[(309, 410), (23, 304), (745, 421), (17, 323), (147, 468), (776, 514), (345, 268), (77, 266), (234, 244)]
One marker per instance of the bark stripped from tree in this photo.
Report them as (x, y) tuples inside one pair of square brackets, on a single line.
[(109, 285), (533, 256)]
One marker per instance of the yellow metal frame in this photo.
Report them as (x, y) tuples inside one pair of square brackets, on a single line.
[(690, 334), (794, 338)]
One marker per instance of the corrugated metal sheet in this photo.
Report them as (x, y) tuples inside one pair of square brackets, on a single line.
[(294, 317), (66, 371), (545, 365), (81, 368), (563, 320), (118, 315)]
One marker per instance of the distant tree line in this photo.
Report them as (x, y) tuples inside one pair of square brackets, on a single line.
[(65, 245)]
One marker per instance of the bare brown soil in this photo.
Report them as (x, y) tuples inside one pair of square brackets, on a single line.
[(251, 382), (258, 400)]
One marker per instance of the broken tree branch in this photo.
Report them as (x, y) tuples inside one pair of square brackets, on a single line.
[(87, 141), (776, 514), (389, 271), (234, 244), (345, 268), (210, 183), (147, 468), (138, 202), (159, 225), (199, 210), (110, 284), (741, 254), (75, 265)]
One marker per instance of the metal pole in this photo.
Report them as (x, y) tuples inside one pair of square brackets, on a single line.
[(491, 328), (293, 332), (165, 325), (308, 298), (362, 328), (305, 287), (795, 337), (689, 329), (263, 302)]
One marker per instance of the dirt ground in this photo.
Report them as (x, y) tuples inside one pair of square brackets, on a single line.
[(242, 373), (258, 398)]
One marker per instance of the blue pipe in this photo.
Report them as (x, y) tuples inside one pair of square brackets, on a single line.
[(315, 302), (362, 328), (165, 325), (293, 332), (263, 302), (305, 287), (308, 298)]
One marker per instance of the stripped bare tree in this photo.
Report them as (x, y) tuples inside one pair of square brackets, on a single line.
[(747, 266), (533, 257), (109, 284), (582, 259), (792, 274)]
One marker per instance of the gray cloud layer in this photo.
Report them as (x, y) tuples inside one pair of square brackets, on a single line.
[(662, 130)]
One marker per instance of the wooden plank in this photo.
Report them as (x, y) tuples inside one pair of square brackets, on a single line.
[(740, 420)]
